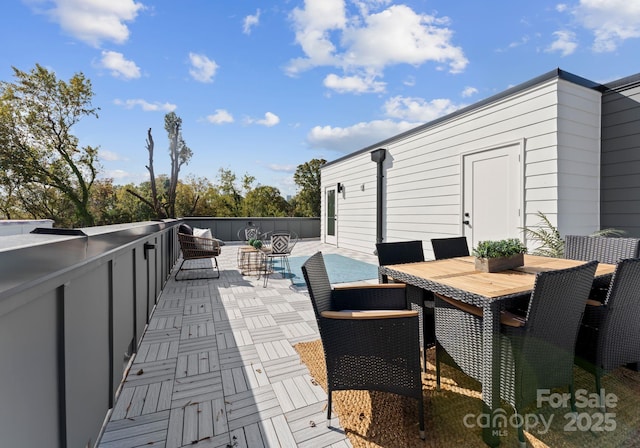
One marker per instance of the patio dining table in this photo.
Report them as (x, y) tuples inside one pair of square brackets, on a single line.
[(458, 279)]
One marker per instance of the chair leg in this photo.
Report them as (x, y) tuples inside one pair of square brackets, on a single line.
[(421, 417), (598, 374), (572, 398), (425, 344), (438, 355), (267, 261), (521, 440), (329, 409), (179, 269), (288, 270)]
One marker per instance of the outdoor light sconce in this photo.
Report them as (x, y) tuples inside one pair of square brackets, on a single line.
[(340, 187)]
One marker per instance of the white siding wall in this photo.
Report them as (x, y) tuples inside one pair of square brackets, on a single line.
[(557, 120), (579, 127), (355, 208)]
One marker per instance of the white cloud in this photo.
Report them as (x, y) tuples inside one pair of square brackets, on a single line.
[(122, 177), (119, 66), (329, 36), (202, 68), (95, 21), (469, 91), (611, 21), (145, 105), (355, 137), (418, 109), (353, 84), (220, 117), (565, 43), (282, 168), (251, 21), (270, 119), (109, 156)]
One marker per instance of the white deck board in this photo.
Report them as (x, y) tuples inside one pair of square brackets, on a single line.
[(217, 368)]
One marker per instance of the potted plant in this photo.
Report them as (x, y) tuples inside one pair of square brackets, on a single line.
[(496, 256)]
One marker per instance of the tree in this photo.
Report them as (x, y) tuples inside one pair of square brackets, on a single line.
[(265, 201), (231, 199), (307, 177), (179, 153), (37, 114), (164, 206)]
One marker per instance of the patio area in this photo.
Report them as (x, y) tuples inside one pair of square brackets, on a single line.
[(217, 366)]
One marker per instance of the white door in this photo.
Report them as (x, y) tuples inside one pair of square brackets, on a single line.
[(492, 194), (330, 223)]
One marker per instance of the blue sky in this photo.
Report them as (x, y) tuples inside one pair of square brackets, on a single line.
[(263, 86)]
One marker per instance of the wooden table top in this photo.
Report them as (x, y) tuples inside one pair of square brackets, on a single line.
[(460, 273)]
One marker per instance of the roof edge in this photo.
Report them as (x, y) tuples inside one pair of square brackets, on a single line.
[(555, 73)]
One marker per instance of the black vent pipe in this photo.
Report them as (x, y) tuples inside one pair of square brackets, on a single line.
[(378, 156)]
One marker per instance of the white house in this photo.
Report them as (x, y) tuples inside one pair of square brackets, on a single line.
[(485, 171)]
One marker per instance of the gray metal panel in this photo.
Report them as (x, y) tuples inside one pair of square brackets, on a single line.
[(29, 404), (620, 173), (226, 229), (87, 354)]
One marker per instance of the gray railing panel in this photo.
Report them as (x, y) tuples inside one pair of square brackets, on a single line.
[(86, 304), (29, 389)]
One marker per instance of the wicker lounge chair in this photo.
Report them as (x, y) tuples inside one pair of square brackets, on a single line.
[(536, 352), (197, 248), (400, 252), (366, 349), (609, 336)]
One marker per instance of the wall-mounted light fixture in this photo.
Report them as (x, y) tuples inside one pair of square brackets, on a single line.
[(340, 187)]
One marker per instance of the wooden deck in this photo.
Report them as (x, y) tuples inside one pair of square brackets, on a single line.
[(217, 368)]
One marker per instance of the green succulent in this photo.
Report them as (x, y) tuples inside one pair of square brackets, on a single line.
[(257, 244), (251, 241)]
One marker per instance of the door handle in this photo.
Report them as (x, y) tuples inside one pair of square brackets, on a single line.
[(466, 221)]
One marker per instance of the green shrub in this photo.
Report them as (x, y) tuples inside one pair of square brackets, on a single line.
[(501, 248)]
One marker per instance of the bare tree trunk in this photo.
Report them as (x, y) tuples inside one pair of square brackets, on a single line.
[(174, 153), (155, 202)]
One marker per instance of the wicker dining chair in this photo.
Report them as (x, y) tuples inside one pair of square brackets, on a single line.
[(536, 352), (370, 339), (399, 252), (450, 247), (609, 336), (608, 250)]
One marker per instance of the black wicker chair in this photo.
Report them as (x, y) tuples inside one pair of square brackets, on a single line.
[(609, 336), (365, 349), (400, 252), (450, 247), (608, 250), (536, 352)]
